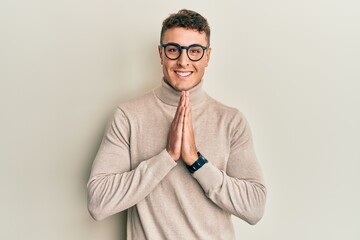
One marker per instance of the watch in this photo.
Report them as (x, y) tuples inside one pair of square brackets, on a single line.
[(197, 164)]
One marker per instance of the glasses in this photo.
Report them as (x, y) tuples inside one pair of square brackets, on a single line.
[(173, 51)]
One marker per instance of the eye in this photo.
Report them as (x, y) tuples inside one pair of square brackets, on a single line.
[(172, 49), (195, 50)]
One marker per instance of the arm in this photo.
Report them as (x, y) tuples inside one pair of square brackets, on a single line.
[(113, 186), (240, 190)]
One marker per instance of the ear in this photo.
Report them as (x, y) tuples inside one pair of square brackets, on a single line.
[(160, 55), (207, 56)]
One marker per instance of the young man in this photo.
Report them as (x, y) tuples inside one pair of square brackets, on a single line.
[(179, 161)]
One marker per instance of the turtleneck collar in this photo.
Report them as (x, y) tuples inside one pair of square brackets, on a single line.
[(167, 94)]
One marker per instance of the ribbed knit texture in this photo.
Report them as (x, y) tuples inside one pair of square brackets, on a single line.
[(133, 170)]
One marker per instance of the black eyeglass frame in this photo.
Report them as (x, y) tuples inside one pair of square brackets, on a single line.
[(183, 47)]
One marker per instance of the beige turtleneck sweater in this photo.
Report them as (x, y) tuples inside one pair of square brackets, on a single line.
[(133, 171)]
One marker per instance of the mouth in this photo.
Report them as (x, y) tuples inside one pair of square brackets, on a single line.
[(183, 73)]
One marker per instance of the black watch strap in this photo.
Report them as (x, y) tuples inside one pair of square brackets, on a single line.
[(198, 164)]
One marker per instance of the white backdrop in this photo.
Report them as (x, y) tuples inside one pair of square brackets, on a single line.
[(291, 66)]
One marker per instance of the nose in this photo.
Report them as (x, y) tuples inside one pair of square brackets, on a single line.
[(183, 60)]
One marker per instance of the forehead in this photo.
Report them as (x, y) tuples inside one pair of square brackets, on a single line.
[(184, 36)]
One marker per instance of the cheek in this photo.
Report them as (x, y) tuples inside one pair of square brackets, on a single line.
[(166, 69), (200, 66), (167, 65)]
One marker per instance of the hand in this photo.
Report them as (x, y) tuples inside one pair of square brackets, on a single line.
[(188, 147), (176, 130)]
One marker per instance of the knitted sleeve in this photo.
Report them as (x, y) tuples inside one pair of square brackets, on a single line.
[(240, 190), (113, 186)]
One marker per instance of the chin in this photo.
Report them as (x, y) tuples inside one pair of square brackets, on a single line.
[(182, 86)]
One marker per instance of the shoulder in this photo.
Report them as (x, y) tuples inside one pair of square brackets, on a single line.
[(229, 117), (138, 102), (224, 110), (138, 105), (128, 110), (235, 120)]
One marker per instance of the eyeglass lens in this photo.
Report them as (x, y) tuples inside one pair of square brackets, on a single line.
[(194, 53)]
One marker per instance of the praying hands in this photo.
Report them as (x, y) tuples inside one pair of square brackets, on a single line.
[(181, 139)]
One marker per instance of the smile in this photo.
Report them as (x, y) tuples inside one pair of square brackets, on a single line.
[(183, 74)]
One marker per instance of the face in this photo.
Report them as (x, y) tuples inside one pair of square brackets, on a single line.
[(182, 73)]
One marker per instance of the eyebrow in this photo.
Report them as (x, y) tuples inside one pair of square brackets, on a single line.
[(185, 45)]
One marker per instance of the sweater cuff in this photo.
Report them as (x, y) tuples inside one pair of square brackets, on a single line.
[(161, 164), (209, 177)]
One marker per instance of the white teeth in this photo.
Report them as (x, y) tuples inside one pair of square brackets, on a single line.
[(184, 74)]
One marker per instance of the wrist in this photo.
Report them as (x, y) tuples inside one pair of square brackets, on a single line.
[(172, 155), (201, 161), (191, 159)]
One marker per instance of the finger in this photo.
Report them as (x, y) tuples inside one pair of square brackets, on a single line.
[(180, 115), (180, 119), (180, 104), (180, 122), (186, 120), (184, 135), (178, 110), (187, 140), (187, 100), (183, 95), (189, 131), (190, 115), (189, 126)]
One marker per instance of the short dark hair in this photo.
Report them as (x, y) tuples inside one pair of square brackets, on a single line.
[(186, 19)]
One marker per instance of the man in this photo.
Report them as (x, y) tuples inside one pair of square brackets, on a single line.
[(179, 161)]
